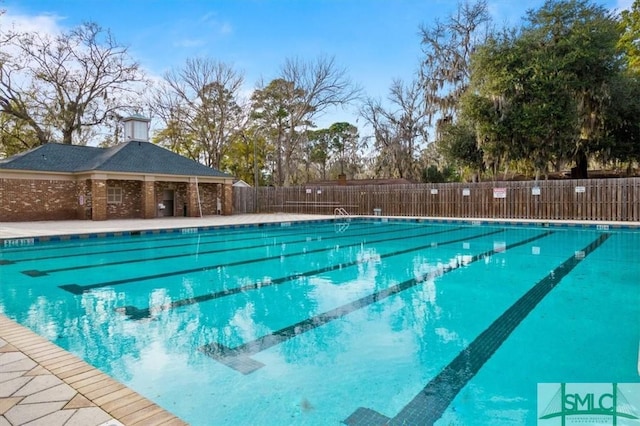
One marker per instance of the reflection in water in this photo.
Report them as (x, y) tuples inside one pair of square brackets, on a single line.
[(104, 336), (243, 324)]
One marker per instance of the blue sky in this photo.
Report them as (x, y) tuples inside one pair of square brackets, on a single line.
[(375, 40)]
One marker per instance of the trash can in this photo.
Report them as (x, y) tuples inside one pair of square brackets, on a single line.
[(377, 212)]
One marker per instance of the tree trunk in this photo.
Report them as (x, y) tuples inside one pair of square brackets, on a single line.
[(580, 170), (66, 136)]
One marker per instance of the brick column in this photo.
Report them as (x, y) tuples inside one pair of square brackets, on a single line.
[(227, 199), (98, 198), (193, 209), (149, 205)]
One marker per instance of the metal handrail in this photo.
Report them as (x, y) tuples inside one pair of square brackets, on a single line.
[(339, 211)]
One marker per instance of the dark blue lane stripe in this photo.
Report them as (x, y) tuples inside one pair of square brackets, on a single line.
[(136, 313), (78, 289), (39, 273), (238, 357), (429, 405)]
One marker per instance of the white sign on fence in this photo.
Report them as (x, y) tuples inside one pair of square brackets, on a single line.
[(466, 192), (434, 191), (580, 189), (535, 190), (499, 192)]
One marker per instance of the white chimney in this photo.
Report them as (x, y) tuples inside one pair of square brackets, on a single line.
[(136, 128)]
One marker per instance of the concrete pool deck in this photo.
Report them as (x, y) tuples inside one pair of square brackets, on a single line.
[(42, 384), (70, 227)]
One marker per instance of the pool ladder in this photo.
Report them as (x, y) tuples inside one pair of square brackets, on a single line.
[(341, 226)]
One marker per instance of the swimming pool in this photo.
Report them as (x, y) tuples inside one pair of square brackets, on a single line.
[(360, 322)]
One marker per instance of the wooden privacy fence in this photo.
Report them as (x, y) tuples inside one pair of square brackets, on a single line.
[(588, 199)]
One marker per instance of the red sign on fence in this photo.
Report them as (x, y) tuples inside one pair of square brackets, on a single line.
[(499, 192)]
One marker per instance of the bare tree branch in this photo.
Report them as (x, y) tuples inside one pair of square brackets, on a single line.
[(70, 82), (399, 130), (201, 109)]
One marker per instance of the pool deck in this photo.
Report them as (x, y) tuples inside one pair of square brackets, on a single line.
[(71, 227), (42, 384)]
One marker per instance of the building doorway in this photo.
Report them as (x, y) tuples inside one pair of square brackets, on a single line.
[(167, 202)]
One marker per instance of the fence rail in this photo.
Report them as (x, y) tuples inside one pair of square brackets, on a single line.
[(588, 199)]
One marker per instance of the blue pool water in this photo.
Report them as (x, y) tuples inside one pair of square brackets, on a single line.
[(331, 323)]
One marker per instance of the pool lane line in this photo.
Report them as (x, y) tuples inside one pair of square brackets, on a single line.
[(432, 401), (135, 313), (41, 273), (180, 237), (239, 359), (79, 289)]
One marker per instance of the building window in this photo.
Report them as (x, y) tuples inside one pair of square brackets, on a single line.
[(114, 195)]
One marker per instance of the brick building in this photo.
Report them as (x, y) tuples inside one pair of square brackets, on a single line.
[(133, 180)]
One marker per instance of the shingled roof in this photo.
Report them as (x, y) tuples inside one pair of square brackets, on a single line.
[(131, 157)]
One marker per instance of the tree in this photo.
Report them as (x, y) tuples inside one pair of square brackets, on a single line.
[(335, 150), (200, 107), (433, 174), (400, 130), (245, 156), (458, 145), (15, 136), (177, 138), (344, 143), (447, 46), (273, 108), (288, 106), (519, 104), (629, 41), (63, 86), (319, 151), (542, 93), (445, 74), (581, 38), (622, 125)]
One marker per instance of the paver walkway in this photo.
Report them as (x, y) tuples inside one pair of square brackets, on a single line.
[(31, 395), (41, 384)]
